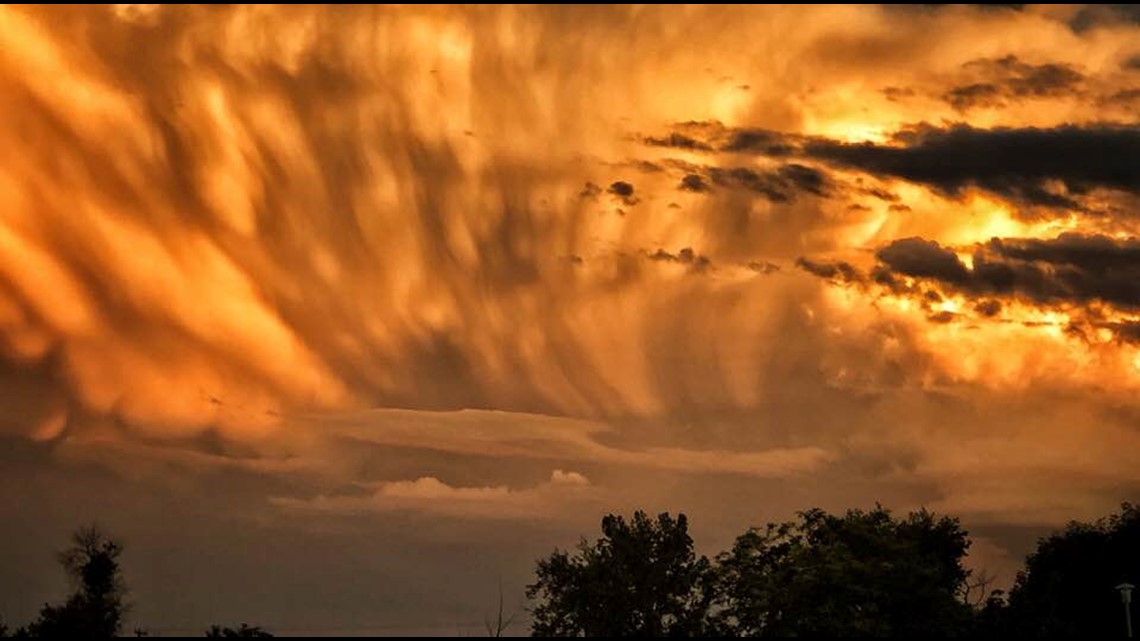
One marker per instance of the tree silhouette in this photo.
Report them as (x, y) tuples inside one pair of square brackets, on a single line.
[(861, 574), (640, 579), (243, 632), (497, 627), (96, 608), (1068, 585)]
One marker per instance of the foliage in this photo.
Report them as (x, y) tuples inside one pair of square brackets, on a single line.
[(1068, 585), (861, 574), (641, 578)]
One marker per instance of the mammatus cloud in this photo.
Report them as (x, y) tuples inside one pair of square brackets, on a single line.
[(316, 221)]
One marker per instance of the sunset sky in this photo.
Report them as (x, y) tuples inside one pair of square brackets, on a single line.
[(342, 316)]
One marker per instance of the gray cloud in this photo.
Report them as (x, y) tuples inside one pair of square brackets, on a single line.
[(1010, 79)]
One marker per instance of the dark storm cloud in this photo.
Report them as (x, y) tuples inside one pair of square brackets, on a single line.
[(806, 178), (882, 194), (882, 275), (712, 135), (833, 270), (1077, 272), (698, 262), (931, 7), (1091, 252), (623, 191), (678, 141), (1123, 97), (761, 141), (779, 186), (924, 259), (988, 307), (895, 94), (1016, 163), (693, 182), (1125, 331), (1048, 167), (764, 267), (766, 184), (1097, 15), (978, 94), (1072, 268), (590, 190), (1010, 79), (648, 167)]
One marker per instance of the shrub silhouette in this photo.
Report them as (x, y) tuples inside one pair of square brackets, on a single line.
[(243, 632)]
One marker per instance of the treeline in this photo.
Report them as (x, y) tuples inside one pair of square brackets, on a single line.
[(862, 573)]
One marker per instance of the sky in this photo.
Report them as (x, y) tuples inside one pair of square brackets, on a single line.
[(341, 317)]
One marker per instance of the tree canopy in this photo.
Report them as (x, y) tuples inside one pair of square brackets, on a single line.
[(1068, 585), (641, 578), (860, 574)]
